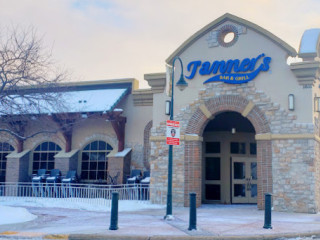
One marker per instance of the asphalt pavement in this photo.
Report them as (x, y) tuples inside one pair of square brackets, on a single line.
[(213, 222)]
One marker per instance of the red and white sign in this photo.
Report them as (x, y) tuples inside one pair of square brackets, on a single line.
[(173, 132)]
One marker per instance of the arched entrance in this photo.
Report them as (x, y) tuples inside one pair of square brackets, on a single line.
[(193, 153), (229, 162)]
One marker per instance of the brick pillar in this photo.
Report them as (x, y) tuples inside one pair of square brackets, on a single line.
[(65, 161), (17, 169), (192, 171), (120, 163), (264, 167)]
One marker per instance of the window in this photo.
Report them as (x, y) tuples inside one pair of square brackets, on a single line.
[(237, 148), (212, 147), (43, 156), (253, 148), (94, 161), (5, 149), (212, 168), (213, 192)]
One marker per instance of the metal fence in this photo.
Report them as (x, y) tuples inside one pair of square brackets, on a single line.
[(97, 195)]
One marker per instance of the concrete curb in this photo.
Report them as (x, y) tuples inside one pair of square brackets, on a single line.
[(21, 235), (247, 237)]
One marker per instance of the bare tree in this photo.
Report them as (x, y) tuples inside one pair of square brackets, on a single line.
[(29, 85)]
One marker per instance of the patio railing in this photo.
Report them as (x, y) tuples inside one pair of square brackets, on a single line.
[(97, 195)]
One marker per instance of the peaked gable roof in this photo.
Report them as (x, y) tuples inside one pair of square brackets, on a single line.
[(229, 17)]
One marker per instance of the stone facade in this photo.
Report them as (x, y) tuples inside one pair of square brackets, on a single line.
[(119, 167), (270, 122), (146, 145), (17, 167), (294, 169), (66, 161)]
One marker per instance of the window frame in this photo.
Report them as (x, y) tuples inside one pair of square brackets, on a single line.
[(93, 168), (45, 155), (3, 158)]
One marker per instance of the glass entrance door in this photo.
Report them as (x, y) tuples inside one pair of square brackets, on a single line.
[(212, 176), (244, 180), (229, 168)]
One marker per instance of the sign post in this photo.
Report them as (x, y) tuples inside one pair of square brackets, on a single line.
[(173, 132)]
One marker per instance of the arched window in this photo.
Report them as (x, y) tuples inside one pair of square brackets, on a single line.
[(94, 161), (5, 149), (43, 156)]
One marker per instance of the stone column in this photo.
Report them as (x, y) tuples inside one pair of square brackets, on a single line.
[(18, 167), (65, 161), (120, 163)]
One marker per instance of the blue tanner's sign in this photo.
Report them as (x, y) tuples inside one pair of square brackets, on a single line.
[(231, 71)]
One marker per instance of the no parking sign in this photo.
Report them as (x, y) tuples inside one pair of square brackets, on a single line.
[(173, 132)]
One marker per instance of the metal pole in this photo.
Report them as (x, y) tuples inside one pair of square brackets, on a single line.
[(169, 192), (267, 211), (193, 212), (114, 211), (170, 157)]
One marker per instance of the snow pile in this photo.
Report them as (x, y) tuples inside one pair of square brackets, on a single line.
[(10, 215), (77, 203)]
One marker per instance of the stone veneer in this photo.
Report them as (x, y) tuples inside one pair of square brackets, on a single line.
[(66, 161), (294, 173), (17, 167), (119, 166), (273, 126), (146, 145)]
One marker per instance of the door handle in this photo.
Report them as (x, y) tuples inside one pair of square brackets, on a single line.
[(249, 183)]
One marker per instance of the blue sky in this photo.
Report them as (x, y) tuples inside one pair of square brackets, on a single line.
[(100, 39)]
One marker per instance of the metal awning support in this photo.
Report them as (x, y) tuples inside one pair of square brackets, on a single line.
[(65, 123), (118, 125)]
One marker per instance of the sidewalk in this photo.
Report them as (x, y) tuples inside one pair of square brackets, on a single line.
[(213, 222)]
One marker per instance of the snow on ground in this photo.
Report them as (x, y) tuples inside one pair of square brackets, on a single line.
[(76, 203), (10, 215), (12, 211)]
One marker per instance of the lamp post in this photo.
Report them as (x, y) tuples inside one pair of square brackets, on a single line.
[(181, 84)]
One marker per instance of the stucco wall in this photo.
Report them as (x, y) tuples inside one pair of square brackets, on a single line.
[(277, 83), (137, 119)]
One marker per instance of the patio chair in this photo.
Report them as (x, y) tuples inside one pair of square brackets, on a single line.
[(40, 177), (135, 176), (144, 187), (146, 178), (55, 176), (71, 177)]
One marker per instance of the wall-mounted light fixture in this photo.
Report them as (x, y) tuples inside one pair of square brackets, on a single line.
[(168, 104), (291, 102), (233, 130), (317, 104)]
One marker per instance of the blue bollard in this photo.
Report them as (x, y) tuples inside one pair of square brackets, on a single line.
[(267, 211), (193, 212), (114, 211)]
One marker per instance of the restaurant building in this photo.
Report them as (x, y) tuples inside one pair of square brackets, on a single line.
[(249, 123)]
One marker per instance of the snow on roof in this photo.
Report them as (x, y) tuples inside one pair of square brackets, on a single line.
[(309, 41), (103, 100), (123, 153)]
